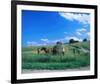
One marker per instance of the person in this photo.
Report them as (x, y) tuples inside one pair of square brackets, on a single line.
[(59, 48)]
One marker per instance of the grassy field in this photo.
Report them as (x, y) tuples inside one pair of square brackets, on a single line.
[(32, 60)]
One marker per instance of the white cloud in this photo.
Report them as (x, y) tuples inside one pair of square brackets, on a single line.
[(82, 18), (81, 30), (73, 37), (32, 43), (88, 33), (54, 41), (78, 33), (45, 40), (44, 44)]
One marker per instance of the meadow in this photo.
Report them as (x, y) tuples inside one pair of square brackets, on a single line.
[(34, 61)]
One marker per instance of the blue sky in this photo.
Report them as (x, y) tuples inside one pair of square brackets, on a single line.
[(45, 27)]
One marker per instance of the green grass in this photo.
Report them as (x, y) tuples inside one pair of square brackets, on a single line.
[(70, 60), (54, 62)]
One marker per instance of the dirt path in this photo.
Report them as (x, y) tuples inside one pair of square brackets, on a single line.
[(41, 71)]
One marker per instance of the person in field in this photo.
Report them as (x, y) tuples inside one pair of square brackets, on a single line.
[(59, 48)]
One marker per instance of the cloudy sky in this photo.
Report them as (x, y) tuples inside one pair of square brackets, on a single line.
[(42, 28)]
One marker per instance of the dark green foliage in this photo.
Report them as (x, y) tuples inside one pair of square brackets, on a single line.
[(71, 41), (84, 40)]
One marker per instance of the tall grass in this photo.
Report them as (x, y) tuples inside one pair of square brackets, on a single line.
[(31, 60), (54, 62)]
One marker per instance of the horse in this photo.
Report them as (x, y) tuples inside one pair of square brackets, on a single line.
[(44, 50)]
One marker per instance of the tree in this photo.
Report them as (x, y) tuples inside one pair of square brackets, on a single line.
[(71, 41), (84, 40)]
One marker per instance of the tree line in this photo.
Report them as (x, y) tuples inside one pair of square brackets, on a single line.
[(75, 41)]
